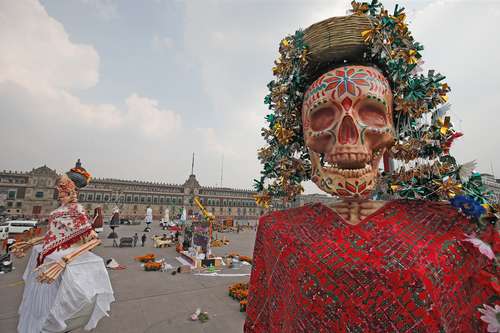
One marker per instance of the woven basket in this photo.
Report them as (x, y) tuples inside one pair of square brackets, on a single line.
[(337, 39)]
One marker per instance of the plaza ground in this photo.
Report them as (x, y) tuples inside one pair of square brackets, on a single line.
[(151, 301)]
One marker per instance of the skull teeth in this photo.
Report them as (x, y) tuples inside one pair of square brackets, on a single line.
[(349, 157), (349, 172)]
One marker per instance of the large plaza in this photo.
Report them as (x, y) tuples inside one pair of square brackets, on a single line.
[(152, 301)]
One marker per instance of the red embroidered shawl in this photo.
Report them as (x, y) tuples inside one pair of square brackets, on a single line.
[(405, 268), (68, 224)]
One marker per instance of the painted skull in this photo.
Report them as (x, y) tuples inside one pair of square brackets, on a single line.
[(347, 123)]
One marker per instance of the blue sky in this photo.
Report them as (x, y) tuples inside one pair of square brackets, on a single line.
[(134, 87)]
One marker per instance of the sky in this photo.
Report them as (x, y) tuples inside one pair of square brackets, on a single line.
[(133, 88)]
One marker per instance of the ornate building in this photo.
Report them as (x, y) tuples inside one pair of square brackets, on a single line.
[(492, 185), (28, 193), (133, 198), (33, 194)]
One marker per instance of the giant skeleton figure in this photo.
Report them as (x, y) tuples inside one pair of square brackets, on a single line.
[(66, 286), (362, 265)]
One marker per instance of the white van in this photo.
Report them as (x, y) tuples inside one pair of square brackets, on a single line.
[(4, 231), (20, 226)]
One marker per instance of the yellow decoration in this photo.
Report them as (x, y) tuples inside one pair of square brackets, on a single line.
[(444, 125), (411, 57), (262, 200), (394, 188), (368, 34), (449, 187), (283, 135)]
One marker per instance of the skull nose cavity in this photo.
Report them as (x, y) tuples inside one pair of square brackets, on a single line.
[(348, 134)]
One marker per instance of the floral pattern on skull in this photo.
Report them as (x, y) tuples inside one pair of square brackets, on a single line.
[(347, 124)]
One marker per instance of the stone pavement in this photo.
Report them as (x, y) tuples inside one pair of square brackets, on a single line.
[(151, 301)]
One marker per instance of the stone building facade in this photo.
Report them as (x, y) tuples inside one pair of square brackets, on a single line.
[(133, 198), (492, 185), (33, 195), (28, 193)]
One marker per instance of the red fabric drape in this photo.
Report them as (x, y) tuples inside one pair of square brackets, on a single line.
[(403, 269)]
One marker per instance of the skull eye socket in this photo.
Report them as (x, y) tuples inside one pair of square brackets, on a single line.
[(372, 115), (323, 118)]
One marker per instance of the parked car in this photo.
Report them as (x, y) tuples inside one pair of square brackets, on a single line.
[(20, 226)]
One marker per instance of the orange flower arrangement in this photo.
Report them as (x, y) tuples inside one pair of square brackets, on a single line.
[(152, 266), (219, 242), (239, 291), (243, 305), (146, 258), (246, 258)]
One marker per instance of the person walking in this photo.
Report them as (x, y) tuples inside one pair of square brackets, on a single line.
[(136, 238), (10, 242), (143, 239)]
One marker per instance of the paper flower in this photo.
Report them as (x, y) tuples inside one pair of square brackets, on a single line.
[(448, 187), (466, 170), (491, 316), (483, 247), (468, 206)]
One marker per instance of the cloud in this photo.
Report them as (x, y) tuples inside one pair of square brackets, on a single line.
[(37, 53), (144, 113), (40, 68)]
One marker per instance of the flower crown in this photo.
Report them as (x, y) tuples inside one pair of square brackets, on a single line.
[(424, 134)]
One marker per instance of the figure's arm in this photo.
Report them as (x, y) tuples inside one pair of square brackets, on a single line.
[(52, 270), (19, 248)]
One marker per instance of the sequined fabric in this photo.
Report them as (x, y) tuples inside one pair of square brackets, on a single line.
[(405, 268)]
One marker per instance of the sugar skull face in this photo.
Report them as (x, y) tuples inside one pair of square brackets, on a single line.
[(347, 123), (66, 190)]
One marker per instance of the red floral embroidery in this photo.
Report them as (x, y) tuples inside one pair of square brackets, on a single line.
[(67, 225)]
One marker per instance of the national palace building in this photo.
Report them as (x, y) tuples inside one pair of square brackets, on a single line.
[(33, 195)]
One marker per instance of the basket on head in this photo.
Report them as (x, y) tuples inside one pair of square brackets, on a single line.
[(336, 40), (79, 175)]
